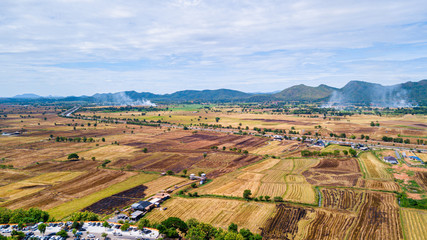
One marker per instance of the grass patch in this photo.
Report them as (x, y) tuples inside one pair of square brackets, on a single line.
[(68, 208)]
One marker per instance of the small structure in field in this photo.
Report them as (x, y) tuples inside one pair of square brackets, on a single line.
[(135, 216), (391, 160), (142, 206)]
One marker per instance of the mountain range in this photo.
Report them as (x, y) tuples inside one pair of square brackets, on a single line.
[(353, 93)]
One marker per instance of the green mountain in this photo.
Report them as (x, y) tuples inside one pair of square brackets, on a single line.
[(305, 93), (353, 93), (373, 94)]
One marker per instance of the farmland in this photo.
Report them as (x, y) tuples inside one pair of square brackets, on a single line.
[(414, 223), (218, 212), (373, 168), (293, 196)]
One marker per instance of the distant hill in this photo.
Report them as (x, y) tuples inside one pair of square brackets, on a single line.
[(27, 96), (417, 91), (305, 93), (373, 94), (145, 98), (353, 93)]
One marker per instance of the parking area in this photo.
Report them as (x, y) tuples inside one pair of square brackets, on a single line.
[(89, 230)]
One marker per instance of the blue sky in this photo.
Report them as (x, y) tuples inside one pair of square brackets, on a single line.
[(74, 47)]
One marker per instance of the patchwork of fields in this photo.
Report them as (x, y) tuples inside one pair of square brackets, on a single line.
[(324, 197)]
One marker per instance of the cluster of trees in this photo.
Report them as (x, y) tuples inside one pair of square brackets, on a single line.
[(76, 139), (373, 124), (264, 130), (214, 126), (396, 140), (404, 201), (4, 166), (32, 215), (247, 195), (307, 153), (174, 227)]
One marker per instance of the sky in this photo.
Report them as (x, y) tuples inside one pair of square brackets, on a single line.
[(75, 47)]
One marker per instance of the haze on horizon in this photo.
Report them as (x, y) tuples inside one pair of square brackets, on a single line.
[(76, 47)]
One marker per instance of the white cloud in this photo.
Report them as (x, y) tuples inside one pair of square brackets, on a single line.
[(207, 44)]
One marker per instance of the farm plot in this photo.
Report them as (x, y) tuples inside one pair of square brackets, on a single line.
[(126, 182), (329, 225), (378, 218), (343, 199), (284, 224), (373, 167), (378, 185), (414, 223), (110, 152), (117, 201), (239, 184), (122, 199), (263, 179), (80, 186), (334, 172), (218, 212), (422, 179), (301, 165), (10, 176), (299, 190), (264, 165), (273, 148), (16, 190)]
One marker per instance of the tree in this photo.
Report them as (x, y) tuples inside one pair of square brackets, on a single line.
[(184, 171), (21, 225), (345, 152), (267, 198), (103, 139), (217, 119), (247, 194), (352, 152), (143, 223), (336, 152), (233, 236), (73, 156), (104, 235), (278, 199), (246, 233), (62, 233), (17, 235), (74, 231), (169, 172), (145, 150), (42, 228), (372, 124), (174, 222), (106, 224), (125, 227), (233, 227)]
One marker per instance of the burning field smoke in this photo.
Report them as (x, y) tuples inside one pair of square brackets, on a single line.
[(370, 95), (122, 99)]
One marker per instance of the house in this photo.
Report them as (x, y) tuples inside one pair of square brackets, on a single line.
[(391, 160), (319, 143), (135, 216), (277, 138), (415, 158), (142, 206)]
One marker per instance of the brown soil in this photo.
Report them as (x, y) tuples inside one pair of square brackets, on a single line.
[(334, 172)]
